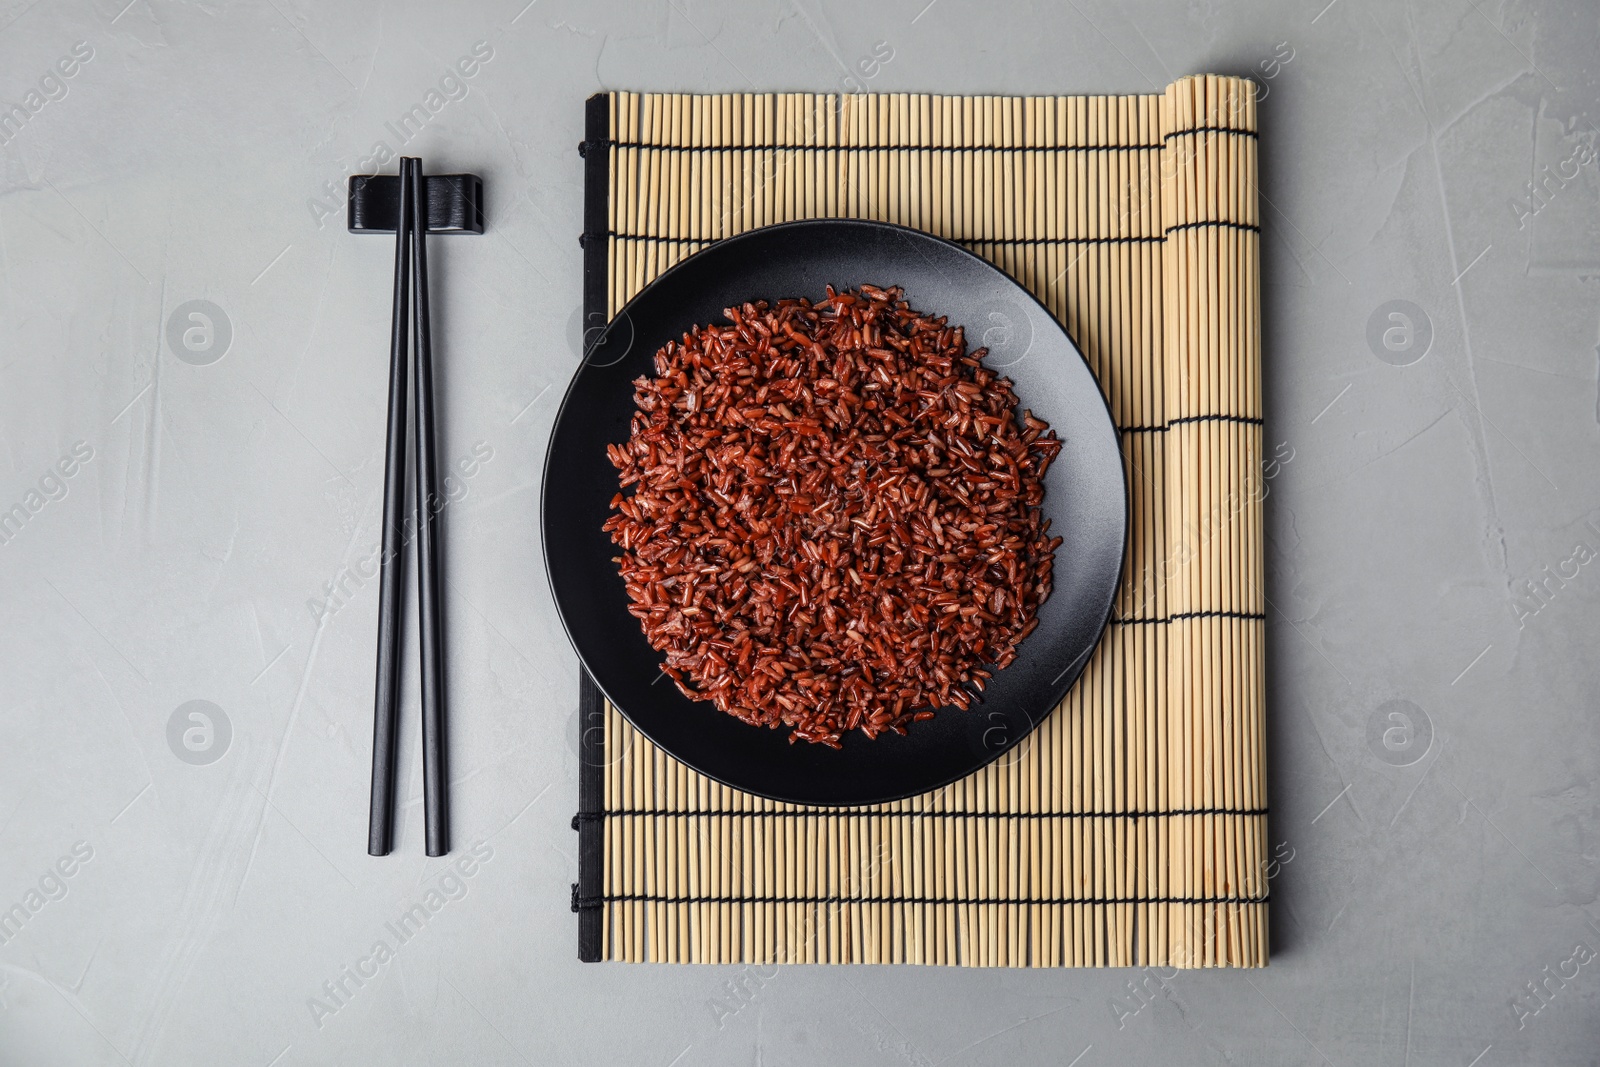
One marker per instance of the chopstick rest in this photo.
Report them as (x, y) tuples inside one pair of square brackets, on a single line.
[(411, 205), (455, 203)]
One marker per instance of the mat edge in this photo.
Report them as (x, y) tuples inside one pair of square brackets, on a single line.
[(591, 705)]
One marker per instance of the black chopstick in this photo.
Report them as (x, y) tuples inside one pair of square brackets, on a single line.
[(391, 566), (435, 801)]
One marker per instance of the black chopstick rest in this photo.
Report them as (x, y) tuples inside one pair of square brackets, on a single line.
[(455, 203), (410, 206)]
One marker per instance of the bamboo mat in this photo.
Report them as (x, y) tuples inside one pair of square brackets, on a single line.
[(1130, 828)]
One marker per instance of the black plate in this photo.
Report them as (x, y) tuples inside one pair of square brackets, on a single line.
[(1085, 497)]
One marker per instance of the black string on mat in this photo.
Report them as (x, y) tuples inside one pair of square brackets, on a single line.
[(1245, 420), (846, 813), (607, 142), (580, 902), (812, 146)]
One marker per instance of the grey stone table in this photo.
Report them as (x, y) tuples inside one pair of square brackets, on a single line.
[(192, 355)]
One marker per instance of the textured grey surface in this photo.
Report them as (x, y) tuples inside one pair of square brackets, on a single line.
[(1435, 901)]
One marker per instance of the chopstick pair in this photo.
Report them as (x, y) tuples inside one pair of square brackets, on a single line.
[(410, 206)]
